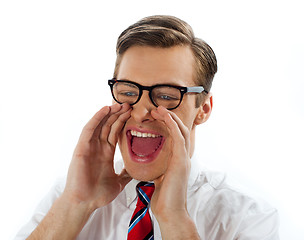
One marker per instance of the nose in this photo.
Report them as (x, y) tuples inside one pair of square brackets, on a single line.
[(141, 111)]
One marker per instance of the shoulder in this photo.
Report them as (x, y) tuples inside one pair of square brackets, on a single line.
[(42, 209), (218, 192), (220, 205)]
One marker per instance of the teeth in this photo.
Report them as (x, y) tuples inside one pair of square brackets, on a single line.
[(140, 134)]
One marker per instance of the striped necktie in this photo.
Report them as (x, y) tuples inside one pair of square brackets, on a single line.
[(140, 227)]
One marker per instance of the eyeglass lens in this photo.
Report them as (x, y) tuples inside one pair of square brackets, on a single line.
[(168, 97)]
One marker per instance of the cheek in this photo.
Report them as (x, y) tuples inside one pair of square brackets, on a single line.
[(187, 111), (187, 117)]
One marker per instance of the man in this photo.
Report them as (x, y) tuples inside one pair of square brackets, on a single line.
[(161, 87)]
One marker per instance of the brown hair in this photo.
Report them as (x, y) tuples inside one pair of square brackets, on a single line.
[(168, 31)]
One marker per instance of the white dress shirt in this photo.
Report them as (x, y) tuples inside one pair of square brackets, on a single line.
[(218, 211)]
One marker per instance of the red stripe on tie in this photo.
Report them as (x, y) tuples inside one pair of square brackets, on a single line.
[(140, 226)]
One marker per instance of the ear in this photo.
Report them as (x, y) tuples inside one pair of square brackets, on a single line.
[(204, 110)]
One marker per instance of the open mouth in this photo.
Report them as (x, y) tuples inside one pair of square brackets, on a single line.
[(144, 146)]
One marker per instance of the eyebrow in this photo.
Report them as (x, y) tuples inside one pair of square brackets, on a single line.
[(129, 84), (160, 83)]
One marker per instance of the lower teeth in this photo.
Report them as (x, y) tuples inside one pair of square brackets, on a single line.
[(140, 155)]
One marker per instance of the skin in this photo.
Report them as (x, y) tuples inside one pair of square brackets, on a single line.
[(149, 66), (170, 170), (92, 182)]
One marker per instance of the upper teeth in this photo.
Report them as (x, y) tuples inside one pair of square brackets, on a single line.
[(140, 134)]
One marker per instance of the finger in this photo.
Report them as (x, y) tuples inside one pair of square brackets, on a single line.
[(181, 125), (178, 131), (120, 116), (113, 109), (184, 130), (162, 114), (117, 127), (177, 138), (158, 182), (90, 127)]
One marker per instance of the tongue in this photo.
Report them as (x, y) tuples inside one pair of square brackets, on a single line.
[(145, 146)]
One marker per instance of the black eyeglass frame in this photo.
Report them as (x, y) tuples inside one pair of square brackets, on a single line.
[(183, 90)]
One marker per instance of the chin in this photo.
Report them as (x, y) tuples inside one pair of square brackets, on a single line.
[(145, 171), (143, 175)]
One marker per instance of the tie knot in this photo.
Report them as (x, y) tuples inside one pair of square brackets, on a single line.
[(144, 193)]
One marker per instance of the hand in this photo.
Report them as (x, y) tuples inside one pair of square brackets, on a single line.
[(169, 200), (91, 177), (91, 181), (170, 196)]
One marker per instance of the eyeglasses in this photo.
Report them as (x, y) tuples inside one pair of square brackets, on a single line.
[(165, 95)]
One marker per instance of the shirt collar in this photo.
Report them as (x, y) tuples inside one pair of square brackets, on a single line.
[(194, 171), (130, 188)]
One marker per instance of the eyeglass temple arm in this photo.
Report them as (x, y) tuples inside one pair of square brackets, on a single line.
[(198, 89)]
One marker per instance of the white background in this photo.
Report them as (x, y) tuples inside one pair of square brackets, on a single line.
[(55, 58)]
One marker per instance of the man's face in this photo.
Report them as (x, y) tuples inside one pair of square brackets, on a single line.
[(147, 156)]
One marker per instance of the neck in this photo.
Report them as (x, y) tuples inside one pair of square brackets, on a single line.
[(192, 142)]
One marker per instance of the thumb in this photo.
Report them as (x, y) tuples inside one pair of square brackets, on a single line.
[(158, 182)]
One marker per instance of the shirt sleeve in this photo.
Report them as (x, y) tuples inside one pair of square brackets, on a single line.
[(260, 223), (41, 210)]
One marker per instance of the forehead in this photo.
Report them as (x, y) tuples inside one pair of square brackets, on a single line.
[(152, 65)]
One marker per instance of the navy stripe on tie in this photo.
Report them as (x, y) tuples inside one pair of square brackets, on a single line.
[(149, 236), (136, 215), (145, 184), (143, 197), (139, 215)]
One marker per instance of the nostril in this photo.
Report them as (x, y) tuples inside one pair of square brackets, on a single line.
[(147, 120)]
